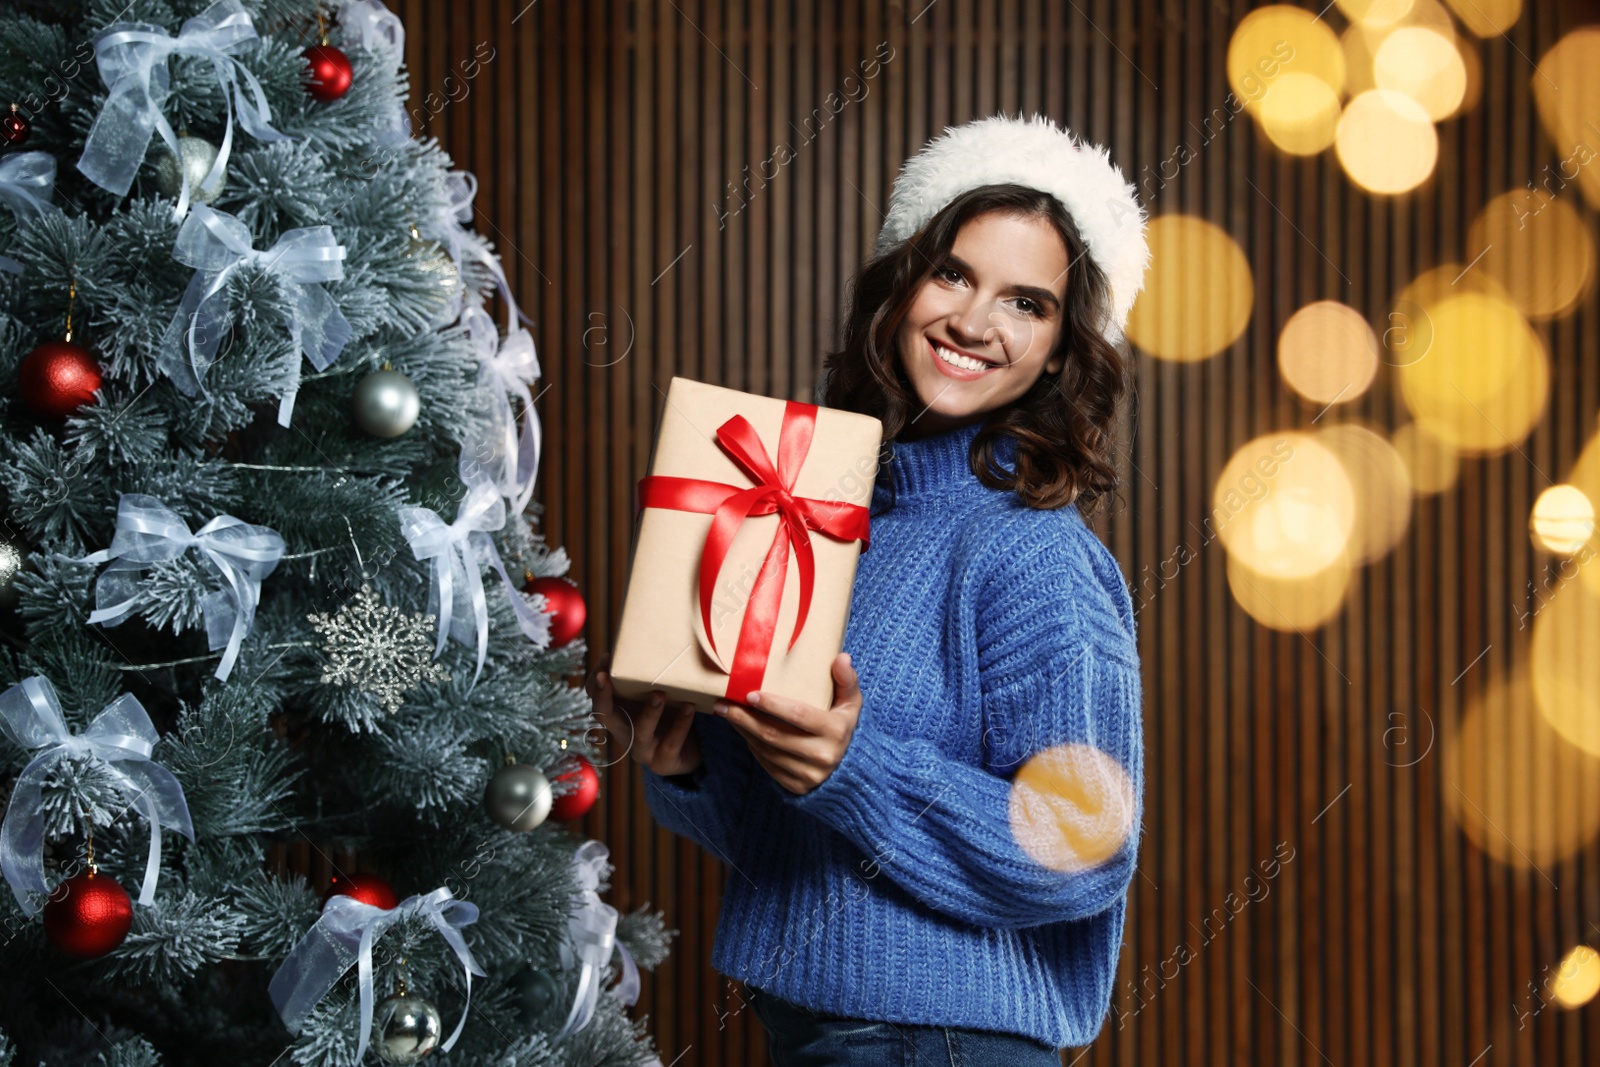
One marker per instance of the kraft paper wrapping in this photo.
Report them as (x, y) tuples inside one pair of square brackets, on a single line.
[(661, 641)]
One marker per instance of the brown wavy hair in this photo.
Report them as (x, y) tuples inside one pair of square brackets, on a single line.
[(1062, 426)]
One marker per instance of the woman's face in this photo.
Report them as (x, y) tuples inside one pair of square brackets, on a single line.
[(997, 299)]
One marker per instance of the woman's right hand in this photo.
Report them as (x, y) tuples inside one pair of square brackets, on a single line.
[(665, 740)]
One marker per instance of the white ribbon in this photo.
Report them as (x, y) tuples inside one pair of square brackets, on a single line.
[(508, 370), (216, 244), (132, 57), (593, 929), (150, 532), (345, 934), (457, 553), (447, 225), (122, 737), (372, 26), (26, 181)]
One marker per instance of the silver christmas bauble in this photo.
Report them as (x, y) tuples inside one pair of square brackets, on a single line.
[(386, 403), (12, 556), (408, 1028), (193, 162), (518, 797)]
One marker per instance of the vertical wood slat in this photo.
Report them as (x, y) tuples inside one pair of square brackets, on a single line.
[(602, 137)]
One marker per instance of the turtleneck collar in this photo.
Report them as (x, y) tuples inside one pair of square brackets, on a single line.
[(935, 467)]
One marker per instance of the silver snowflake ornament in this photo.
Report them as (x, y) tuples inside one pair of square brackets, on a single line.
[(380, 650)]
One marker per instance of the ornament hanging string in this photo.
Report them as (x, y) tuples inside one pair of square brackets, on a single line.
[(217, 244), (345, 934), (508, 370), (731, 505), (132, 57), (122, 738), (457, 553), (150, 532)]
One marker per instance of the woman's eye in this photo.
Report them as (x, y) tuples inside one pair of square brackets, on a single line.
[(948, 273), (1027, 307)]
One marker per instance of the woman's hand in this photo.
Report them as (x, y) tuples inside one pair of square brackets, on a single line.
[(797, 744), (663, 740)]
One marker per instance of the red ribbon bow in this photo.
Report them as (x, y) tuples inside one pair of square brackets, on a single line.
[(732, 505)]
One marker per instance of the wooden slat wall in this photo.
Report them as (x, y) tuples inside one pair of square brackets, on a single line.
[(604, 132)]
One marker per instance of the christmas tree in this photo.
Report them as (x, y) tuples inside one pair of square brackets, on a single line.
[(289, 724)]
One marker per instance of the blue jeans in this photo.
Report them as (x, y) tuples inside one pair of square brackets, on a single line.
[(800, 1037)]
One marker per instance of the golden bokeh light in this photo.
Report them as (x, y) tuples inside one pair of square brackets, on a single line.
[(1564, 655), (1328, 353), (1382, 486), (1577, 979), (1424, 65), (1538, 248), (1518, 791), (1431, 464), (1375, 12), (1301, 114), (1562, 520), (1472, 63), (1386, 142), (1292, 604), (1198, 292), (1571, 113), (1272, 40), (1361, 40), (1284, 505), (1407, 331), (1072, 806), (1487, 18), (1482, 382)]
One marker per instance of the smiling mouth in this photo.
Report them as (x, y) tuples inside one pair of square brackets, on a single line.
[(959, 360)]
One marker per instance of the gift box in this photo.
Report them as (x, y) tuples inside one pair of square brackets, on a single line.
[(747, 534)]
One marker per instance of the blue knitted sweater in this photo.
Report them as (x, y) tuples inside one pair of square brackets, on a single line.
[(982, 631)]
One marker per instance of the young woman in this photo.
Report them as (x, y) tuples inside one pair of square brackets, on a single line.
[(935, 869)]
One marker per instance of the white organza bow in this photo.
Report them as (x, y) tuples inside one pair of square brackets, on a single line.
[(593, 930), (132, 57), (122, 737), (216, 244), (508, 369)]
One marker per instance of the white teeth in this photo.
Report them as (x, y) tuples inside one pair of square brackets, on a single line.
[(964, 362)]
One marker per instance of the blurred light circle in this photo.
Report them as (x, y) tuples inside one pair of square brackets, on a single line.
[(1382, 486), (1570, 116), (1072, 806), (1431, 464), (1291, 604), (1577, 979), (1518, 791), (1198, 292), (1328, 353), (1407, 333), (1539, 248), (1270, 40), (1487, 18), (1386, 142), (1424, 65), (1301, 114), (1564, 655), (1375, 12), (1563, 519), (1284, 505), (1483, 383)]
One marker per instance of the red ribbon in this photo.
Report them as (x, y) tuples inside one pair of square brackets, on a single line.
[(731, 505)]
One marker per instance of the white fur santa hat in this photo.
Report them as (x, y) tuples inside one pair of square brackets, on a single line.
[(1036, 153)]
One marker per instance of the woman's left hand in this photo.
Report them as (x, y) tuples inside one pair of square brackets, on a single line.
[(799, 745)]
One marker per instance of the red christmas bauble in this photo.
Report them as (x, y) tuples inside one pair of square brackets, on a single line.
[(57, 378), (331, 74), (14, 129), (565, 605), (367, 888), (88, 915), (576, 804)]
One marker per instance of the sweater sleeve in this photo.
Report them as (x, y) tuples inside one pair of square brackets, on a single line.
[(703, 806), (947, 830)]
